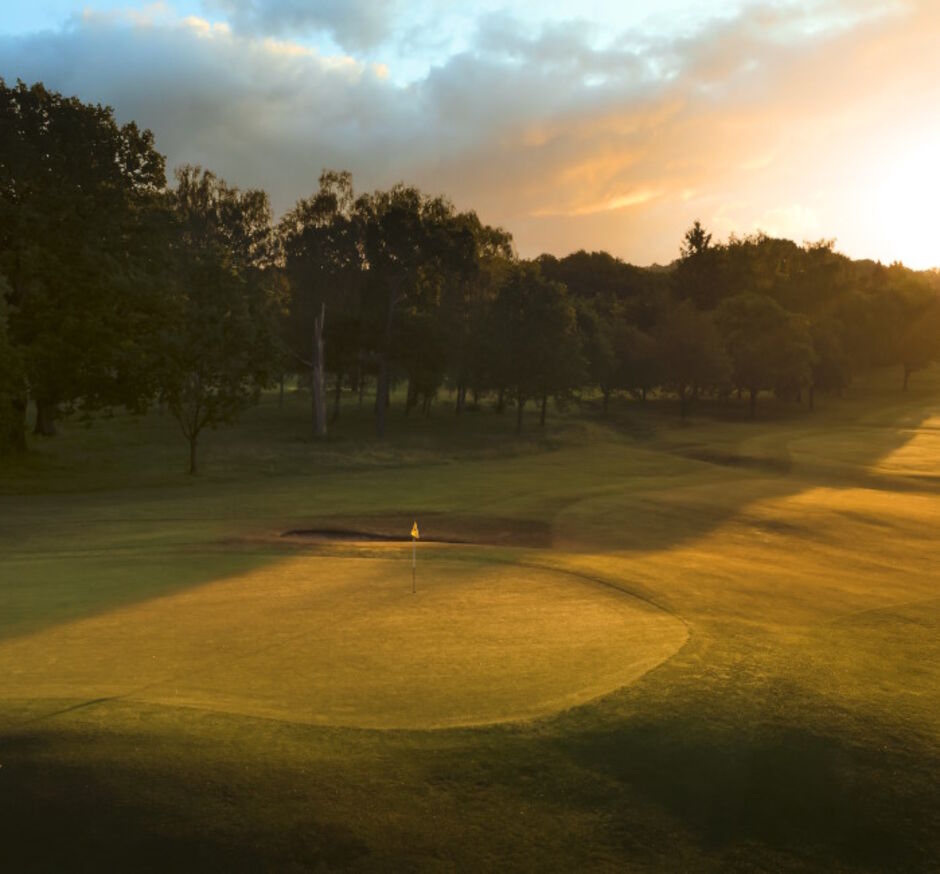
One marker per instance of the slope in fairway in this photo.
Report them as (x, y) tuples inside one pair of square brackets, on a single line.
[(342, 641)]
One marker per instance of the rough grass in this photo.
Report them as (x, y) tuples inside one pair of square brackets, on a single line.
[(797, 728)]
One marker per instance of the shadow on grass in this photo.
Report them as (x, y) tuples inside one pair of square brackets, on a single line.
[(42, 592), (805, 795), (105, 815)]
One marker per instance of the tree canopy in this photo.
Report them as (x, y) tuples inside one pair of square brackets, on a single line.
[(117, 289)]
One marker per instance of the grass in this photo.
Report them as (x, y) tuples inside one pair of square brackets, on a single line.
[(717, 645)]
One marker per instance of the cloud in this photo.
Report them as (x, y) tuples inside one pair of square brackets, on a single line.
[(353, 24), (567, 134)]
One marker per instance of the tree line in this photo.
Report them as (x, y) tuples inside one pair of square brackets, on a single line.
[(119, 289)]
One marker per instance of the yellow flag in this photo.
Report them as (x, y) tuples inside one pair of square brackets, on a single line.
[(414, 531)]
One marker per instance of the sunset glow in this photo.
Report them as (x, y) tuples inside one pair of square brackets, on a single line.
[(612, 127)]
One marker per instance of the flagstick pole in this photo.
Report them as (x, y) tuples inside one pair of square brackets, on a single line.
[(413, 562)]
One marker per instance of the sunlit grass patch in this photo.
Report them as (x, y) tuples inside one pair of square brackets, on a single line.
[(332, 640)]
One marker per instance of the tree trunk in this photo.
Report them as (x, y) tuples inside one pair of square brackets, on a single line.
[(461, 397), (501, 401), (337, 396), (752, 403), (360, 381), (683, 403), (520, 406), (280, 394), (812, 398), (319, 376), (606, 394), (643, 394), (381, 397), (427, 405), (45, 419), (411, 396), (192, 453), (542, 414), (17, 432)]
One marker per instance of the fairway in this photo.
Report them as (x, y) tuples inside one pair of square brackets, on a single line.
[(711, 647), (337, 640)]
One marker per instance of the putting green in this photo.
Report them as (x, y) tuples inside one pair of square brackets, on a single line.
[(342, 641)]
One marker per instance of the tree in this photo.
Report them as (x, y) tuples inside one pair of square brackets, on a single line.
[(831, 368), (695, 241), (640, 364), (411, 243), (324, 263), (692, 356), (698, 275), (769, 347), (920, 343), (73, 188), (470, 282), (12, 386), (217, 346), (597, 340), (537, 347)]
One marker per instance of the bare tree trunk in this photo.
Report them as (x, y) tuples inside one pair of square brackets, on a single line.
[(319, 377), (461, 397), (280, 395), (411, 395), (542, 415), (45, 418), (501, 401), (17, 432), (193, 438), (427, 405), (360, 380)]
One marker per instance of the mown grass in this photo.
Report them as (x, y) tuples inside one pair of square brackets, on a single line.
[(797, 728)]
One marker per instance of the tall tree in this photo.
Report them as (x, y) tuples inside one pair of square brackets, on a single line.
[(73, 184), (920, 342), (12, 386), (217, 348), (324, 262), (411, 243), (639, 361), (693, 358), (539, 352), (769, 347), (698, 274), (831, 369), (598, 342), (469, 284), (695, 241)]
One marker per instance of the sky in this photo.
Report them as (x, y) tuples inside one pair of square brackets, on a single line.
[(590, 125)]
